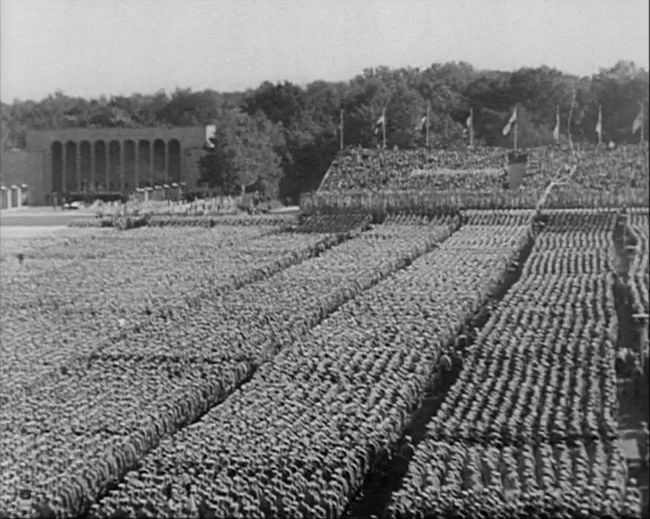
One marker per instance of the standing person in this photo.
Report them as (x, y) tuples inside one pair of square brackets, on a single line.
[(445, 367), (645, 443)]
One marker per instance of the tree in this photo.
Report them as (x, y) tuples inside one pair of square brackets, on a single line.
[(243, 155)]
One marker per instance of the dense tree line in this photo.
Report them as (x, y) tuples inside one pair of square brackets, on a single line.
[(280, 138)]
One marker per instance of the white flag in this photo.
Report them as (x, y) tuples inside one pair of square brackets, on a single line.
[(381, 121), (556, 130), (638, 121), (469, 122), (511, 121), (210, 131), (599, 124)]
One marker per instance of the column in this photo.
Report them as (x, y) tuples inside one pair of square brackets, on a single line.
[(19, 196), (136, 164), (121, 166), (92, 167), (168, 176), (64, 167), (77, 169), (106, 166), (151, 163), (181, 177)]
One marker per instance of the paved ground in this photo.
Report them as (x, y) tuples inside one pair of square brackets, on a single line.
[(41, 216), (47, 216)]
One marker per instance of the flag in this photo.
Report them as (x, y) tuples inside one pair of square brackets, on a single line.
[(380, 122), (421, 124), (511, 121), (638, 121), (599, 124), (556, 130), (210, 133), (469, 122)]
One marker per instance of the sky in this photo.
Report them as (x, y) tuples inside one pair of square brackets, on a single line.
[(118, 47)]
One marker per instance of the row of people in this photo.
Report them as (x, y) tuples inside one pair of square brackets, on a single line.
[(87, 419), (298, 439), (433, 202), (532, 422), (49, 319), (467, 480)]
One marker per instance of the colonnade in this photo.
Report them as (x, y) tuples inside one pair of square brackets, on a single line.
[(115, 165)]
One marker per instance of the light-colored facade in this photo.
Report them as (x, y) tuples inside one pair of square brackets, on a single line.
[(104, 160)]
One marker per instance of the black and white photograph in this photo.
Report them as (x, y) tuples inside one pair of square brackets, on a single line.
[(324, 259)]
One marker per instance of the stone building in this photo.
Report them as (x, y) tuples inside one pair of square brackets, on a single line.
[(82, 161)]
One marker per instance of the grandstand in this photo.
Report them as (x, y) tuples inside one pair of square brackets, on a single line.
[(477, 178)]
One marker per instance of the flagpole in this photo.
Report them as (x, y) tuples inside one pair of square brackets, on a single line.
[(383, 127), (600, 127), (341, 145), (427, 122), (642, 120), (471, 127), (516, 122), (573, 100), (645, 155)]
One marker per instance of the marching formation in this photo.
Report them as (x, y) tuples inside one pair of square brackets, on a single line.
[(103, 288), (95, 423), (639, 279), (298, 439), (530, 426)]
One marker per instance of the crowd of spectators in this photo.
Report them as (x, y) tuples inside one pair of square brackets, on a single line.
[(479, 177)]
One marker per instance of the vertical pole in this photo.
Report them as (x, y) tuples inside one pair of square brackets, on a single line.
[(426, 138), (341, 145), (645, 155), (642, 120), (573, 100), (471, 127), (514, 135), (600, 125), (383, 127)]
